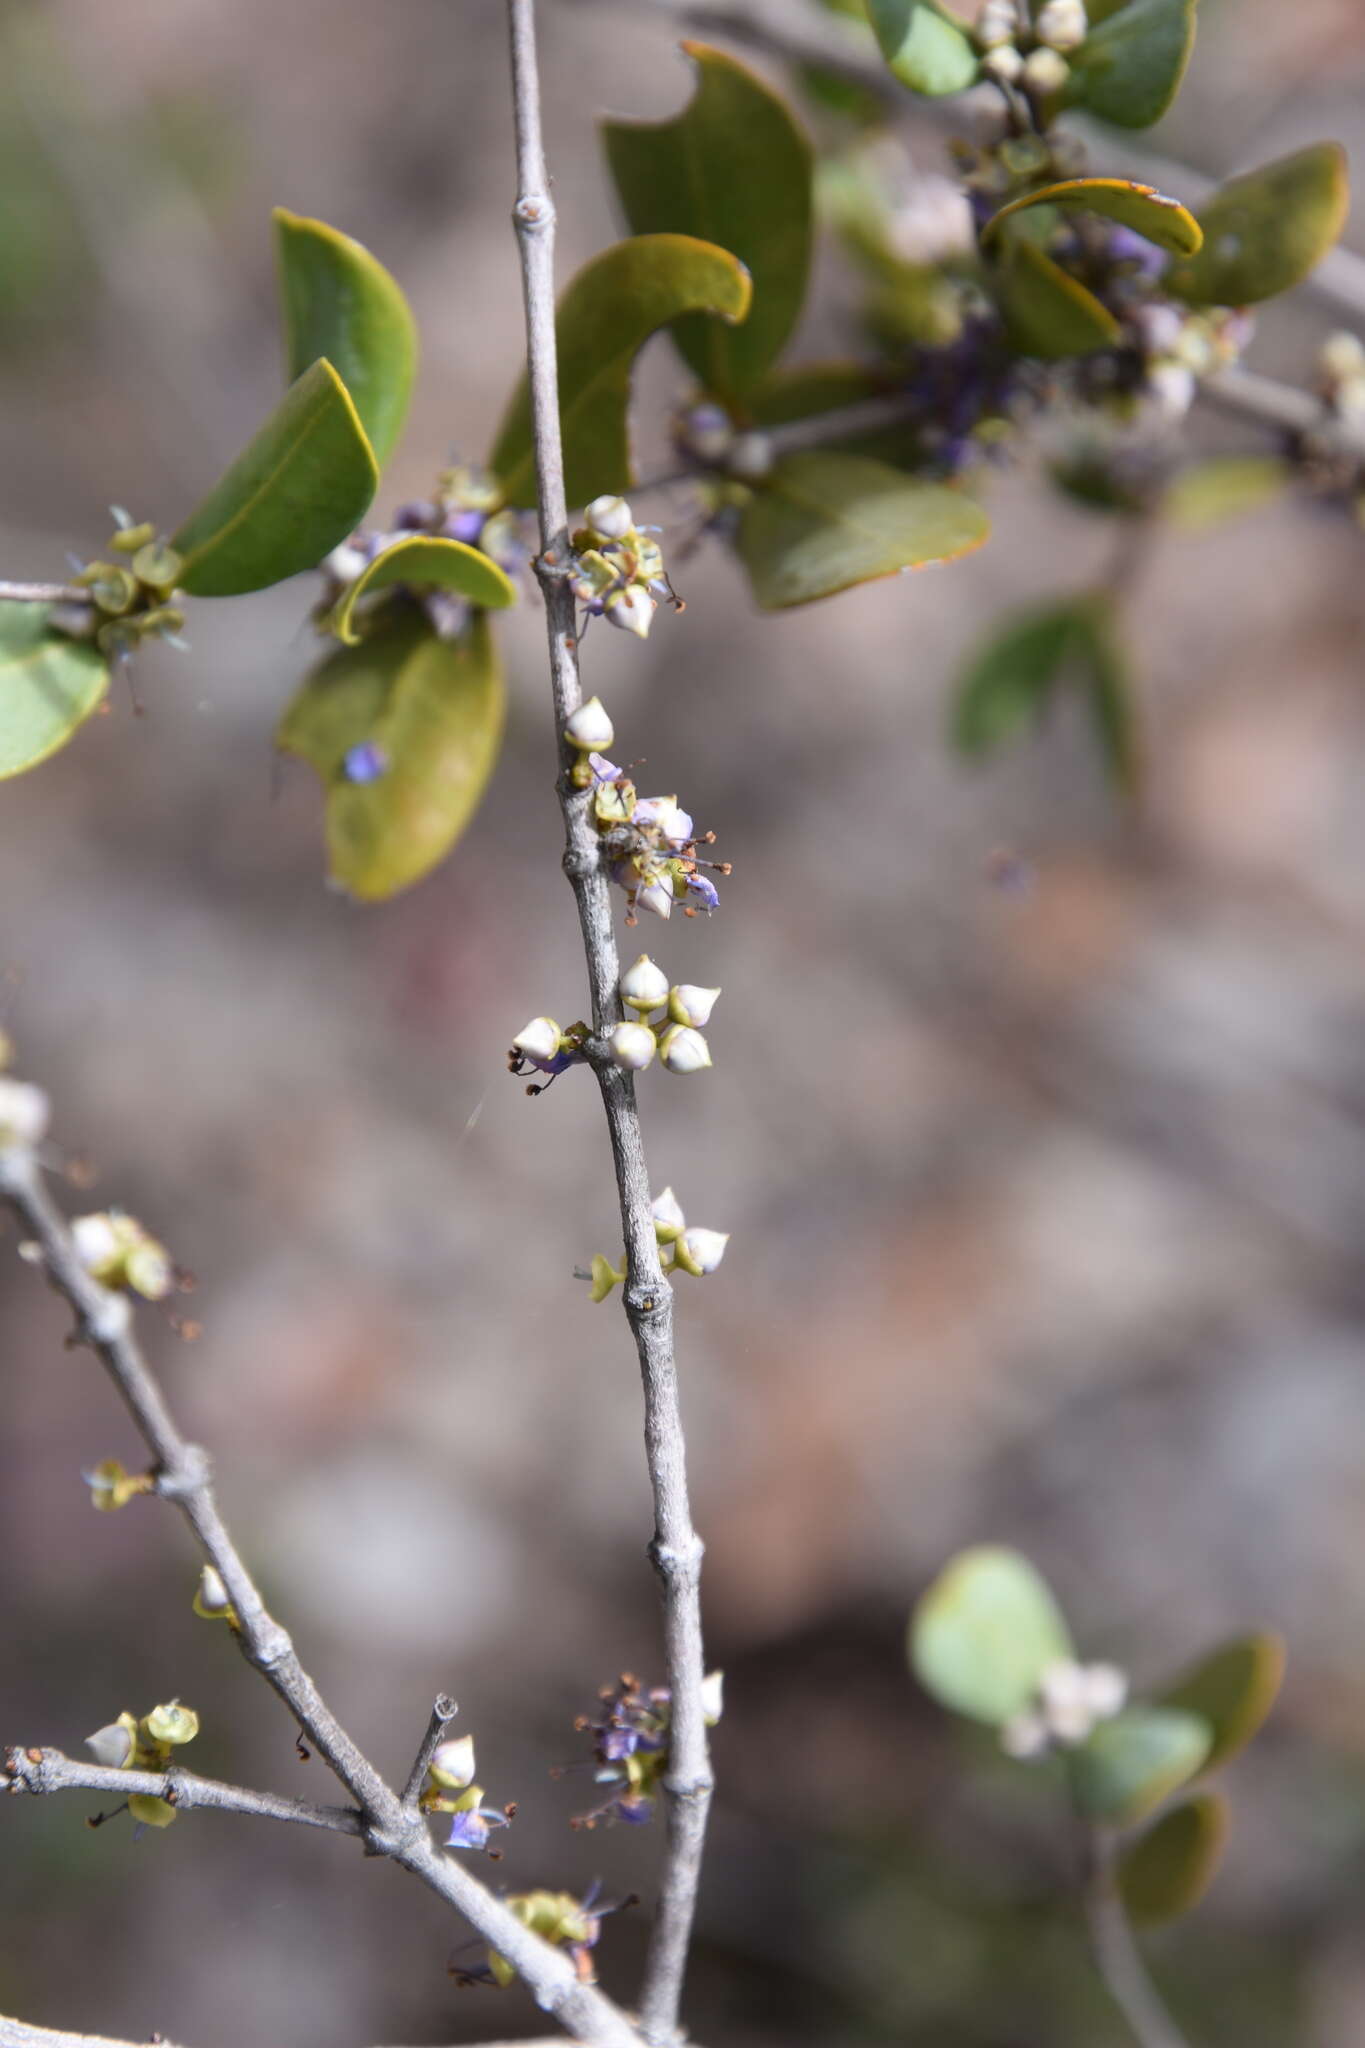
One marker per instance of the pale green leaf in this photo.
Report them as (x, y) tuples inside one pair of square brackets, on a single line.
[(984, 1633), (49, 685), (1129, 1765), (924, 46), (1233, 1690), (339, 302)]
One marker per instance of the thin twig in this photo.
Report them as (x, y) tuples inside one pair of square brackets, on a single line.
[(443, 1712), (676, 1549), (47, 1770), (19, 2034), (104, 1322), (42, 593), (1116, 1954)]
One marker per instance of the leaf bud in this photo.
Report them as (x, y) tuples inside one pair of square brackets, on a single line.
[(633, 1046), (25, 1110), (1061, 24), (538, 1040), (669, 1221), (699, 1251), (644, 986), (688, 1004), (683, 1050), (609, 517), (589, 728), (452, 1763), (112, 1746), (171, 1723), (632, 610), (1045, 72), (751, 457)]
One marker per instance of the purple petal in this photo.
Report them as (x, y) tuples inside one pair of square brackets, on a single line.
[(704, 891), (365, 762), (465, 526)]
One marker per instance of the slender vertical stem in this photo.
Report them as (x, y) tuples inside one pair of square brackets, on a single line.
[(676, 1549), (1116, 1954)]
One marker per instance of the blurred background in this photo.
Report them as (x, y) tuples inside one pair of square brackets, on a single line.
[(1047, 1199)]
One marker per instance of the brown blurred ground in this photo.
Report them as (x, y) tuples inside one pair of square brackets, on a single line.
[(1048, 1204)]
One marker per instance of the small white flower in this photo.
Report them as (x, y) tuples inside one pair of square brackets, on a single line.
[(1045, 72), (610, 518), (538, 1040), (633, 1046), (1171, 388), (705, 1248), (688, 1004), (452, 1762), (589, 727), (1106, 1689), (24, 1113), (656, 897), (751, 457), (1003, 63), (96, 1240), (1024, 1737), (1061, 24), (712, 1697), (684, 1051), (111, 1746), (633, 611), (644, 986), (669, 1221), (1341, 358)]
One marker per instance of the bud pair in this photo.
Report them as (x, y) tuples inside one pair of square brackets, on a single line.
[(119, 1253)]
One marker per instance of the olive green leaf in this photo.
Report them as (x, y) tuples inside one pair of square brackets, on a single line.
[(1265, 231), (1142, 208), (1129, 1765), (1169, 1869), (1233, 1690), (1048, 312), (293, 493), (1011, 680), (983, 1634), (1221, 487), (605, 316), (807, 389), (433, 711), (427, 563), (823, 522), (49, 685), (1129, 68), (732, 168), (924, 46), (340, 303)]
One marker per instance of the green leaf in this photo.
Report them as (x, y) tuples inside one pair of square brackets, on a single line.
[(1139, 207), (608, 312), (1265, 231), (925, 48), (427, 563), (807, 389), (1012, 679), (342, 304), (1221, 487), (1130, 1764), (1048, 313), (984, 1632), (293, 493), (1169, 1869), (1129, 68), (49, 685), (823, 522), (434, 708), (734, 169), (1233, 1690)]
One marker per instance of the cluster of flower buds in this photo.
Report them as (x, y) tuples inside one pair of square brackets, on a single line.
[(631, 1742), (465, 506), (649, 842), (676, 1035), (618, 571), (1030, 50), (449, 1788), (146, 1745), (119, 1253), (1070, 1700), (131, 599), (557, 1917), (1179, 347), (683, 1248)]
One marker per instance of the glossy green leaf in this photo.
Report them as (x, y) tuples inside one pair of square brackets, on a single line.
[(1267, 230), (49, 685), (1129, 68), (293, 493), (1169, 1869), (1132, 1763), (734, 169), (427, 563), (606, 315), (984, 1632), (808, 389), (1142, 208), (434, 709), (924, 46), (1233, 1690), (1048, 312), (340, 303), (1205, 494)]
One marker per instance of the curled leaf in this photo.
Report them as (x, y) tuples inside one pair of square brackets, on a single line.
[(1142, 208), (427, 563), (341, 303)]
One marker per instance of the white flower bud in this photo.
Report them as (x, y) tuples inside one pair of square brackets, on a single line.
[(96, 1241), (345, 563), (657, 897), (644, 986), (712, 1697), (1045, 72), (1064, 1695), (998, 23), (1024, 1737), (1171, 387), (1061, 24), (24, 1113), (452, 1763), (213, 1594), (633, 1046), (684, 1051), (538, 1040), (688, 1004), (1003, 63), (669, 1221), (1341, 358), (589, 727), (705, 1248), (751, 457), (111, 1746), (1106, 1690), (609, 518), (632, 610)]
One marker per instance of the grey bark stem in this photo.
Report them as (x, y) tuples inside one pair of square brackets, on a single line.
[(443, 1713), (1116, 1954), (676, 1549), (42, 593), (47, 1770), (104, 1322)]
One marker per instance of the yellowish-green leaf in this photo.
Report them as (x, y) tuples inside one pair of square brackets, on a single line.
[(1233, 1690), (1142, 208), (49, 685), (1205, 494), (810, 388), (734, 169), (984, 1633), (1265, 231), (606, 315), (1131, 1764), (425, 563), (1129, 68), (339, 302), (823, 522), (430, 713), (924, 46), (1049, 313), (1169, 1869), (293, 493)]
